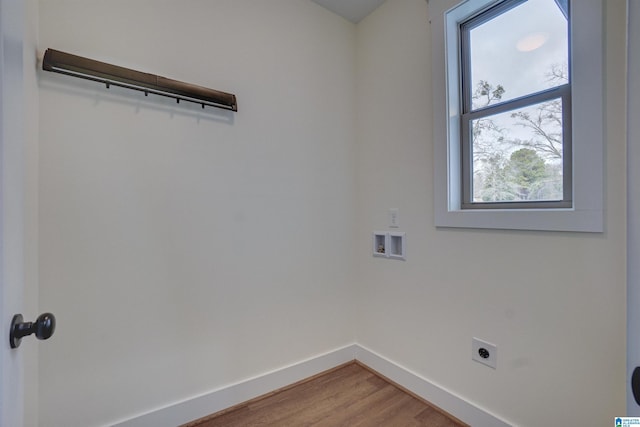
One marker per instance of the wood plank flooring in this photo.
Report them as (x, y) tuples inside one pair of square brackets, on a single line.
[(350, 395)]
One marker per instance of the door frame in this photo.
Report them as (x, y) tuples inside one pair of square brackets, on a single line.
[(12, 196), (633, 199)]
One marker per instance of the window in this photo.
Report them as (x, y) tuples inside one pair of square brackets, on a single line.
[(516, 98), (518, 114)]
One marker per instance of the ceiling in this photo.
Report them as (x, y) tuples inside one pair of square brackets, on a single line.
[(353, 10)]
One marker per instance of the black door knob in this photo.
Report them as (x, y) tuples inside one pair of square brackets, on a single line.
[(635, 384), (43, 328)]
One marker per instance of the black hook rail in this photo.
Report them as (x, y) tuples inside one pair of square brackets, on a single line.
[(108, 74)]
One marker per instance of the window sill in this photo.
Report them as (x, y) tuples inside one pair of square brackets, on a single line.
[(524, 219)]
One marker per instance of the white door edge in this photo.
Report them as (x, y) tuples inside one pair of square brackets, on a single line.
[(633, 200), (12, 168)]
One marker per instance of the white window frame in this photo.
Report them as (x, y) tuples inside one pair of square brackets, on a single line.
[(587, 99)]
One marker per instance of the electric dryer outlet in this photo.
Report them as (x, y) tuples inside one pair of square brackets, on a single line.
[(484, 352)]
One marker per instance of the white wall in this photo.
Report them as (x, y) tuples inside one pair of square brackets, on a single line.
[(183, 250), (554, 303)]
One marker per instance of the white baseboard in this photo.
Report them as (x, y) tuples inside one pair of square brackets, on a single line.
[(439, 396), (201, 406)]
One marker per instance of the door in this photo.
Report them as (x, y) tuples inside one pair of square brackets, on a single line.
[(633, 203), (11, 206)]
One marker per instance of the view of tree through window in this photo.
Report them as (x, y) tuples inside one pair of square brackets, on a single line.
[(517, 92)]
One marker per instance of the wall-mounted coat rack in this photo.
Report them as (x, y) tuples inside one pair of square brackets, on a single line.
[(85, 68)]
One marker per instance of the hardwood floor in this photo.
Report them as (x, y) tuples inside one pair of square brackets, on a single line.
[(349, 395)]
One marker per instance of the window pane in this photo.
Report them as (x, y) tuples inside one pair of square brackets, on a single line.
[(518, 156), (518, 52)]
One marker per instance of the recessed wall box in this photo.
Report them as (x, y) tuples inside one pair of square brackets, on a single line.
[(396, 245), (379, 244), (389, 244)]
